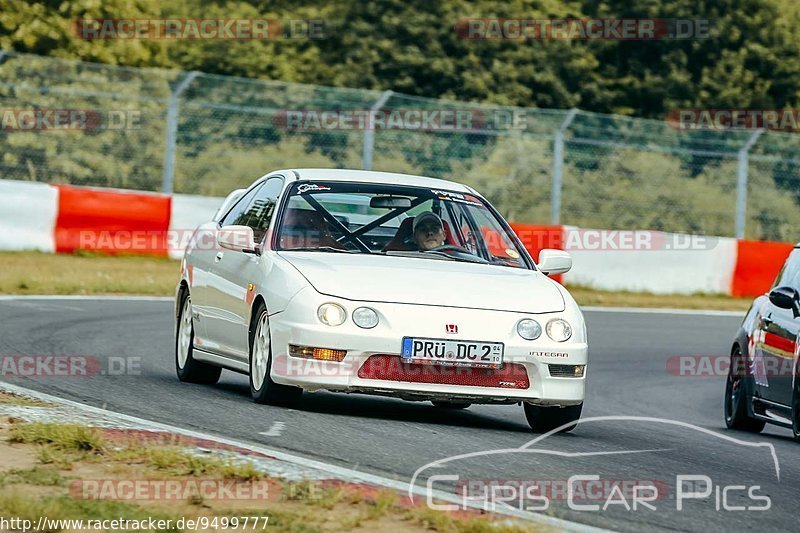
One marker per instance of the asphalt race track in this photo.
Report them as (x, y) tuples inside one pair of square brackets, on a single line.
[(627, 377)]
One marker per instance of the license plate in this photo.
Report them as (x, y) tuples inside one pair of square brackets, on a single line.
[(452, 352)]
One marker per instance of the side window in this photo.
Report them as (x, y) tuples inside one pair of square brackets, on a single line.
[(259, 211), (240, 207), (790, 273), (794, 281)]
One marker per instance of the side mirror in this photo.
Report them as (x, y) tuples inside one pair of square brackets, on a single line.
[(237, 238), (554, 261), (786, 298)]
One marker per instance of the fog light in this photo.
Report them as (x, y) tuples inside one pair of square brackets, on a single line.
[(529, 329), (566, 371), (322, 354), (331, 314), (366, 318), (559, 330)]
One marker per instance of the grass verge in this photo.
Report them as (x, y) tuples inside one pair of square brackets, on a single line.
[(89, 456), (22, 401), (87, 274)]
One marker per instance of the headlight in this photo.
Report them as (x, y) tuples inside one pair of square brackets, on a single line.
[(559, 330), (331, 314), (529, 329), (366, 318)]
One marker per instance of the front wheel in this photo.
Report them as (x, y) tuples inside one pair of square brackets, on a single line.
[(736, 397), (262, 388), (188, 369), (543, 418)]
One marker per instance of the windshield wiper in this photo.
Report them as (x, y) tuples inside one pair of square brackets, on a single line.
[(433, 254), (330, 249), (415, 253), (463, 259)]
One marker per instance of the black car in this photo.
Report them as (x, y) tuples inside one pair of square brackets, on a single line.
[(762, 383)]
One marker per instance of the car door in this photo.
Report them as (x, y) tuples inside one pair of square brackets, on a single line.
[(200, 261), (236, 275), (778, 335)]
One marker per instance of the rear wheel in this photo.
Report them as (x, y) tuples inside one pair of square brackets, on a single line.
[(188, 369), (445, 404), (737, 396), (262, 388), (544, 418)]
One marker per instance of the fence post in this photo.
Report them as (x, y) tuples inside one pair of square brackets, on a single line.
[(558, 165), (172, 132), (369, 131), (741, 183)]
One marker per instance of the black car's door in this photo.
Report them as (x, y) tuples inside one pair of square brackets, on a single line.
[(779, 332)]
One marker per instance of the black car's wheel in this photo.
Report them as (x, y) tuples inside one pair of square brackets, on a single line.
[(543, 419), (188, 369), (796, 405), (444, 404), (262, 388), (737, 394)]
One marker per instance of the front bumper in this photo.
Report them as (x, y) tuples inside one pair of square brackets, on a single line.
[(298, 325)]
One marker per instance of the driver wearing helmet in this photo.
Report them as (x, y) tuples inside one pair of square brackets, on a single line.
[(428, 231)]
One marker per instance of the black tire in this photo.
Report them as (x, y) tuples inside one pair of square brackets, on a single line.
[(737, 396), (268, 392), (542, 419), (796, 405), (192, 371), (445, 404)]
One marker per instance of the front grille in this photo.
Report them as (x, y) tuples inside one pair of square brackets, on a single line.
[(392, 368), (566, 371)]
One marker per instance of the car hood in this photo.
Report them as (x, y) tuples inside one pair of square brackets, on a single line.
[(427, 282)]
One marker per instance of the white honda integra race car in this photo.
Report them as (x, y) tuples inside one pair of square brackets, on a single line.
[(379, 283)]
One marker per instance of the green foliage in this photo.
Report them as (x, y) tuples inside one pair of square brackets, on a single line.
[(751, 58), (619, 172)]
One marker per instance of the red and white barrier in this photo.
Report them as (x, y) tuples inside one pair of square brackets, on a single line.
[(659, 262), (27, 216), (63, 218), (112, 220)]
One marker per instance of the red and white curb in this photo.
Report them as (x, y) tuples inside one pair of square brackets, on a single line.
[(270, 461)]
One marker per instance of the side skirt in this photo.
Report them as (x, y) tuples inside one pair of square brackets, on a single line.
[(219, 360)]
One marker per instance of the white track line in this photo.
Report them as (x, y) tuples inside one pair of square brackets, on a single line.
[(11, 297), (336, 471), (662, 311)]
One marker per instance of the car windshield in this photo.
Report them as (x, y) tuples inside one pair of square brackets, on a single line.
[(395, 220)]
